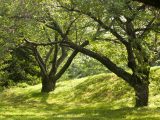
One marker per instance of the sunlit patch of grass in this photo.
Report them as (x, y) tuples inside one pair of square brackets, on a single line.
[(155, 87), (99, 97)]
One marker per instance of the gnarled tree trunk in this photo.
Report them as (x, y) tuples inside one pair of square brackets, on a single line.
[(141, 94), (48, 85), (141, 88)]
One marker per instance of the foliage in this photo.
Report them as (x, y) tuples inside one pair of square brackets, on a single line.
[(83, 66), (20, 67)]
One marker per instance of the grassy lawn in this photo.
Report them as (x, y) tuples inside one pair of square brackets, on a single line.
[(99, 97)]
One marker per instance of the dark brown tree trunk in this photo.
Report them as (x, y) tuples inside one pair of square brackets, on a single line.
[(141, 94), (141, 88), (48, 85)]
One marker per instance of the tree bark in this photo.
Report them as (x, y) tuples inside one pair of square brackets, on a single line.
[(141, 88), (141, 94), (48, 85)]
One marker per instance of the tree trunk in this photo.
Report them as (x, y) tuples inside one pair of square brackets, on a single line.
[(141, 94), (48, 85), (141, 88)]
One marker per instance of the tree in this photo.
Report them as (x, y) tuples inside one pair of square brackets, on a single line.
[(50, 64), (29, 20), (125, 21)]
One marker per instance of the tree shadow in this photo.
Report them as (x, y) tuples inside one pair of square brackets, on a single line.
[(114, 114), (44, 98)]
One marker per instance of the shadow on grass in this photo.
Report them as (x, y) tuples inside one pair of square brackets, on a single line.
[(115, 114), (93, 114)]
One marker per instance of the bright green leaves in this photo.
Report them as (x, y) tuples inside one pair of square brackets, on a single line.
[(116, 52)]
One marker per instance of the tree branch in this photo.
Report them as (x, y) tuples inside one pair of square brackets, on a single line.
[(48, 54), (69, 61), (148, 27), (69, 27), (38, 58), (101, 23), (54, 60), (104, 60), (63, 56)]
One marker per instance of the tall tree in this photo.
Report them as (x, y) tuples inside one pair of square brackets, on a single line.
[(126, 22)]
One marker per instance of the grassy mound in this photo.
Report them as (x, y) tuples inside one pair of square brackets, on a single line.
[(99, 97)]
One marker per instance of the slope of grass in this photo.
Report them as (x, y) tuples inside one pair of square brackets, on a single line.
[(99, 97)]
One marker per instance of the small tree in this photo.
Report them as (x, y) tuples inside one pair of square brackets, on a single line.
[(52, 66), (26, 19)]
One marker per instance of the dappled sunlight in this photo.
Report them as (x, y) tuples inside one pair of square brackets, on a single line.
[(99, 97)]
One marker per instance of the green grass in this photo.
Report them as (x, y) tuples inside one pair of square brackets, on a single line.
[(99, 97)]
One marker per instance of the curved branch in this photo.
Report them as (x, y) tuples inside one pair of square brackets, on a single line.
[(69, 61), (104, 60), (40, 61)]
